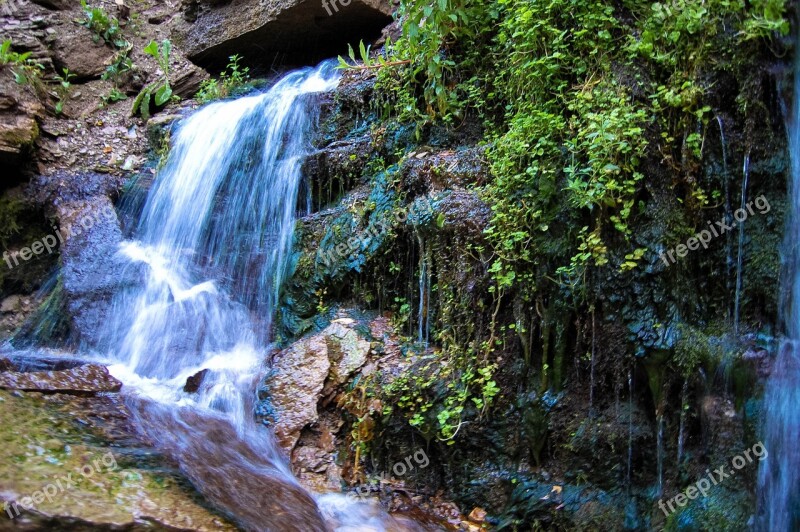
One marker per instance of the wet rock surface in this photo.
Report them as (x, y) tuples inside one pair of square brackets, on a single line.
[(97, 473), (84, 380)]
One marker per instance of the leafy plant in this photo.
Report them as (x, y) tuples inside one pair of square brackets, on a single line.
[(366, 60), (63, 89), (122, 63), (102, 25), (114, 95), (160, 88), (26, 70), (233, 79)]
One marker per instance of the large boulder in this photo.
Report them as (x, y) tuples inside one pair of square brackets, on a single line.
[(309, 367), (210, 31), (309, 382), (92, 269)]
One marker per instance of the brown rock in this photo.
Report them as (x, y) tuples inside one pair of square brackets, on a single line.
[(477, 515), (20, 112), (186, 80), (299, 374), (76, 50), (194, 382), (84, 380)]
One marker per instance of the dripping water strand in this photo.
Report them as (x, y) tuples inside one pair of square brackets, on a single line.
[(740, 250), (728, 210)]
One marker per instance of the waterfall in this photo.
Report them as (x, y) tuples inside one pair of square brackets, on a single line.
[(779, 474), (212, 248)]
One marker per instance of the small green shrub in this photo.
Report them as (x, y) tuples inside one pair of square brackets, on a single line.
[(122, 63), (102, 25), (63, 89), (160, 88), (233, 79), (26, 71), (114, 95)]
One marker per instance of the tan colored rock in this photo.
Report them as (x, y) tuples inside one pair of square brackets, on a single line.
[(299, 374), (309, 370), (347, 351), (477, 515), (20, 113)]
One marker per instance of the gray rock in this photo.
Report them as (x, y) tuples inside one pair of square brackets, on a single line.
[(210, 31), (10, 304), (92, 270)]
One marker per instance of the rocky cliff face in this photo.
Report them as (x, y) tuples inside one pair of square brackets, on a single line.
[(302, 31), (588, 411)]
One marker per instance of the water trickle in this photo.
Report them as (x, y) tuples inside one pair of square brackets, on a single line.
[(682, 424), (630, 430), (779, 473), (212, 247), (660, 454), (425, 267), (740, 250), (728, 208)]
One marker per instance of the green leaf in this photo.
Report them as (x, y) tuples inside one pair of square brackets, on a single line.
[(166, 49), (152, 49), (163, 95)]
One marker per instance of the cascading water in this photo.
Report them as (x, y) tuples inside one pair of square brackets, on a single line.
[(779, 474), (212, 246)]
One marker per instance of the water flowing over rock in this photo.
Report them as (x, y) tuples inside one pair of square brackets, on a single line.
[(779, 474), (211, 251)]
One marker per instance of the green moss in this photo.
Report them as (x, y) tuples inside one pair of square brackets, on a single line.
[(44, 442)]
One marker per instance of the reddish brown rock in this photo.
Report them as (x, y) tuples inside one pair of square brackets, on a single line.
[(84, 380)]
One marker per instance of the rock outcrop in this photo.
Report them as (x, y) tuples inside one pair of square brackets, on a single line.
[(84, 380), (109, 478), (20, 113), (308, 384), (210, 30)]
